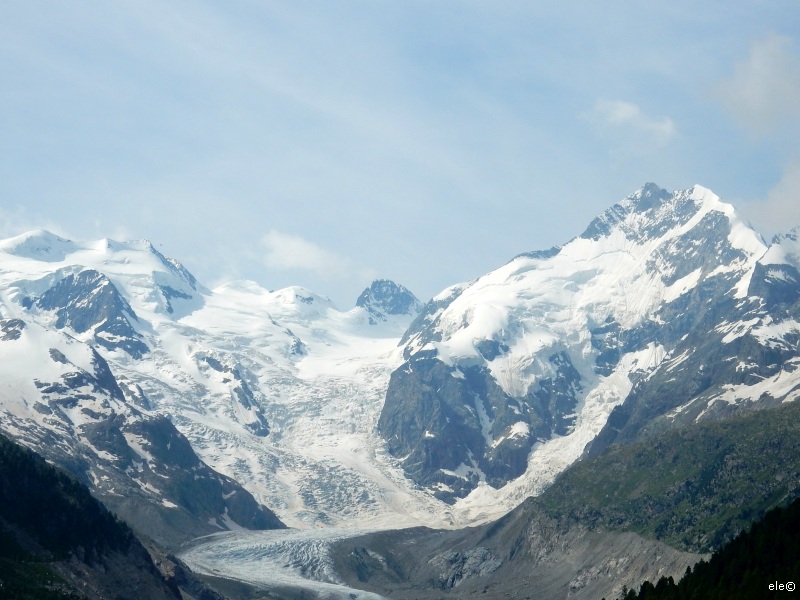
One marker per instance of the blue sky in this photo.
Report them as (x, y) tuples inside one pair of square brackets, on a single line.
[(328, 143)]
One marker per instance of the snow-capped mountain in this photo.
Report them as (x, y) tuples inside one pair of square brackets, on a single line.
[(74, 406), (384, 299), (277, 390), (667, 309)]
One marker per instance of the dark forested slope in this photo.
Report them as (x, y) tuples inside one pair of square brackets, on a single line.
[(58, 542), (763, 562)]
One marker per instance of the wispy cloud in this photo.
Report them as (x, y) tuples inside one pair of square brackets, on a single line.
[(17, 221), (764, 90), (287, 252), (627, 116), (780, 210)]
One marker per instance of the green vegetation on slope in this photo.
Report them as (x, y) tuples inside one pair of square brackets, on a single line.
[(754, 565), (693, 488)]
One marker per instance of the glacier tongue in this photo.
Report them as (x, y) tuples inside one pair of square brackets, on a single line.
[(276, 559)]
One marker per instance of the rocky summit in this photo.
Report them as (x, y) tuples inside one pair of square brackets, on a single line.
[(667, 310)]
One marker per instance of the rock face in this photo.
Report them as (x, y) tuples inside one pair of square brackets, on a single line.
[(736, 350), (437, 419), (89, 301), (384, 298), (666, 310)]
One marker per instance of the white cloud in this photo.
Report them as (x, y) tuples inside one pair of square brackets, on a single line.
[(628, 116), (764, 91), (287, 252), (780, 210), (122, 234)]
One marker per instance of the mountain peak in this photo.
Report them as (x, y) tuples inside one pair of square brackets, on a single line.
[(38, 244), (384, 297), (144, 276), (790, 236), (652, 213), (649, 196), (297, 297), (784, 249), (702, 193)]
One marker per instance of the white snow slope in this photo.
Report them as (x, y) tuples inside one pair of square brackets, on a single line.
[(318, 375)]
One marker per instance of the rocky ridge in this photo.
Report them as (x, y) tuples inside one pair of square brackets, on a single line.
[(668, 309)]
